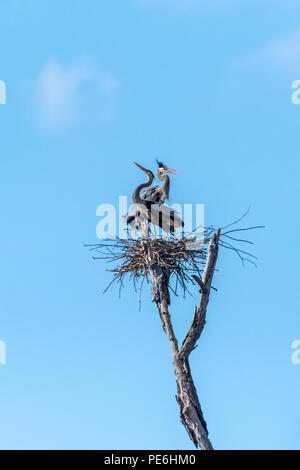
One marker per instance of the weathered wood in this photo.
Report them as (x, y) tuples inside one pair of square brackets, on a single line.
[(190, 410), (199, 318)]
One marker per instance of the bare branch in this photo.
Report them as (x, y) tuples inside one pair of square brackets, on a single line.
[(198, 321)]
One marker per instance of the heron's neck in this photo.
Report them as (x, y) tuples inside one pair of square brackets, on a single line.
[(166, 185), (136, 196)]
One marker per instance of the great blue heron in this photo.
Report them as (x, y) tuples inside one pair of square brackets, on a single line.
[(138, 212), (159, 194), (145, 209)]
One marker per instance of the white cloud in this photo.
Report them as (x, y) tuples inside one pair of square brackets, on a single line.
[(60, 90), (283, 53)]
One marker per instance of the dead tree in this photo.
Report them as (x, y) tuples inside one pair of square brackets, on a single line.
[(190, 410), (158, 261)]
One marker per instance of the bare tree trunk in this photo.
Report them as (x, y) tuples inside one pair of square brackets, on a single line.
[(190, 410)]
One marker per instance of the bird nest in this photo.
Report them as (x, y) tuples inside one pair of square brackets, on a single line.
[(182, 259)]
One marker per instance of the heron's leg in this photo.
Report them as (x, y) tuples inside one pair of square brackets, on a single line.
[(147, 229), (144, 229), (151, 232), (154, 229)]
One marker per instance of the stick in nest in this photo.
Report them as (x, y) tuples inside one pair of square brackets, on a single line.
[(131, 259), (184, 259)]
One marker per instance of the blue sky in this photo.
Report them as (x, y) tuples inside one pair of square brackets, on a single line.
[(91, 87)]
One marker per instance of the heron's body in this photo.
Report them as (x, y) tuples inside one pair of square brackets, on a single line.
[(152, 210), (165, 217), (158, 194)]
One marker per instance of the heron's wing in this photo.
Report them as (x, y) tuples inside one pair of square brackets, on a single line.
[(165, 217), (136, 212), (152, 194)]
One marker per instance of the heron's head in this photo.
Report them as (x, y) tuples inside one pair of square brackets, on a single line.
[(162, 168), (148, 172)]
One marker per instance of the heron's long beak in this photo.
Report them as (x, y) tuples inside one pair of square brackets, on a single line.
[(141, 167), (173, 172)]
